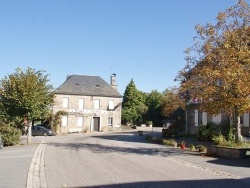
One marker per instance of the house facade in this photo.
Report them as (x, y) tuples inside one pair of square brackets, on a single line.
[(90, 102), (196, 117)]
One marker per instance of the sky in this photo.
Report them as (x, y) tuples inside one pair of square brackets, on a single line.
[(143, 40)]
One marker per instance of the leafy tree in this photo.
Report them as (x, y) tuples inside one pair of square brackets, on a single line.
[(154, 103), (133, 106), (56, 120), (26, 94), (218, 64), (172, 102)]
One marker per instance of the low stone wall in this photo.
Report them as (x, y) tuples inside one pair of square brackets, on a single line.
[(235, 153)]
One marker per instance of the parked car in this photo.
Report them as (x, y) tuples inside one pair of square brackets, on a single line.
[(1, 142), (41, 131)]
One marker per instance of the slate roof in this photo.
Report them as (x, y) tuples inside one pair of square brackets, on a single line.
[(87, 86)]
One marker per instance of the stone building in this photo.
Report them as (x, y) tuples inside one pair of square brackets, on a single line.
[(91, 103)]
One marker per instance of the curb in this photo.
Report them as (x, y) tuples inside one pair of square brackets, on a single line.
[(36, 175)]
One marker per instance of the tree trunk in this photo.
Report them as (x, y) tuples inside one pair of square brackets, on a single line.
[(238, 130), (237, 125), (29, 133)]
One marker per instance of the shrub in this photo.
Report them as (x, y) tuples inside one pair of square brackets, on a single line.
[(219, 139), (170, 142), (192, 147), (207, 132), (148, 138), (149, 123), (201, 148), (156, 140), (10, 135)]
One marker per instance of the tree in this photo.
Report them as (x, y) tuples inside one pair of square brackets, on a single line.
[(154, 104), (172, 102), (218, 64), (133, 106), (26, 94)]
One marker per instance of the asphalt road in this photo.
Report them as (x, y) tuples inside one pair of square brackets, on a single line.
[(14, 165), (126, 160)]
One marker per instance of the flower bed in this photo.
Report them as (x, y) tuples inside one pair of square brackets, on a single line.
[(227, 152)]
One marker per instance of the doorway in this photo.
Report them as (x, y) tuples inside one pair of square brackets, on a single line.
[(96, 123)]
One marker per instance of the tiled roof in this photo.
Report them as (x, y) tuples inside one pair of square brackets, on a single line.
[(87, 86)]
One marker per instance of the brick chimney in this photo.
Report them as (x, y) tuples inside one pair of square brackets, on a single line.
[(113, 81)]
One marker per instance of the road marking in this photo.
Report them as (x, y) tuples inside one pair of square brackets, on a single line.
[(36, 176), (17, 151), (10, 157)]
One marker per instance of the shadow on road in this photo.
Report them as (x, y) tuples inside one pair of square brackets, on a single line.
[(99, 148), (220, 183), (231, 162)]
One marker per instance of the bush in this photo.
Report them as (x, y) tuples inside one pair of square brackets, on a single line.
[(156, 140), (192, 147), (149, 123), (148, 138), (219, 140), (207, 132), (201, 148), (170, 142), (10, 135)]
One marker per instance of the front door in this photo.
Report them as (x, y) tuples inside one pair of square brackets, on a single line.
[(96, 124)]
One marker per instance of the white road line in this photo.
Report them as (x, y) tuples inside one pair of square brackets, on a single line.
[(10, 157), (36, 176)]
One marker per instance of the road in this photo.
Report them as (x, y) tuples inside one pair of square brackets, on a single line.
[(14, 163), (126, 160)]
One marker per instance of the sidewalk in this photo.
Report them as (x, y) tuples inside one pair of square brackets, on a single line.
[(34, 140)]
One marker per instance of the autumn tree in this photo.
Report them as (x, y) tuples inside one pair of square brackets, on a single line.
[(172, 101), (26, 94), (133, 106), (218, 64)]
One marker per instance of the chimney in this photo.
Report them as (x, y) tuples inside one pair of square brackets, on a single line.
[(113, 81)]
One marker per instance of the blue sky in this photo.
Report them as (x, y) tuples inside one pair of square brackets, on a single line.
[(141, 40)]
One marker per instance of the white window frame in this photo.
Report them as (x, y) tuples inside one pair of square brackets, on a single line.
[(111, 105), (196, 117), (64, 121), (65, 102), (79, 121), (110, 121), (97, 104), (81, 103), (204, 118)]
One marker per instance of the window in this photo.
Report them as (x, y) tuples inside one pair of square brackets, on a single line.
[(216, 118), (65, 102), (80, 103), (110, 122), (204, 118), (246, 119), (196, 117), (79, 121), (96, 104), (111, 105), (65, 121)]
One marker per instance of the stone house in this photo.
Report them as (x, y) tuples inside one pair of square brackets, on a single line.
[(196, 117), (91, 103)]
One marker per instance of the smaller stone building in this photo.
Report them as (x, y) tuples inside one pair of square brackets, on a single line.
[(92, 104)]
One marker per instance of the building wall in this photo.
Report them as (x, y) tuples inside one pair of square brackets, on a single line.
[(195, 118), (87, 113)]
